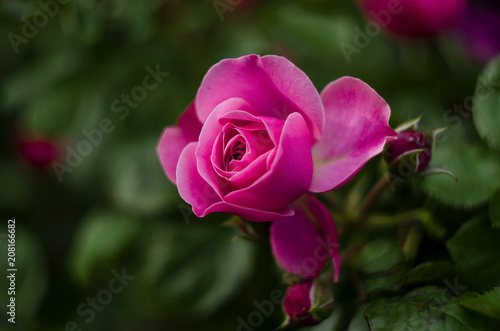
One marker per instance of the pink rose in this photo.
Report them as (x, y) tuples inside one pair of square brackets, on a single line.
[(259, 136), (415, 18)]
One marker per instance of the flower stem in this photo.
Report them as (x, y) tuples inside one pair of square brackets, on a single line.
[(372, 197)]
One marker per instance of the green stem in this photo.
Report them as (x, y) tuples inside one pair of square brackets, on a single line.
[(372, 197)]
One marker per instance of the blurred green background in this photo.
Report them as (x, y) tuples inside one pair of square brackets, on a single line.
[(114, 211)]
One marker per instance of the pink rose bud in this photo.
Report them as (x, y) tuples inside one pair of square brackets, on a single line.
[(307, 303), (38, 152), (415, 18), (412, 147)]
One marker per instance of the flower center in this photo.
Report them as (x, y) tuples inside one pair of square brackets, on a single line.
[(236, 153), (239, 147)]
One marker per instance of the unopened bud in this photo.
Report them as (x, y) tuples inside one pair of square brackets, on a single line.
[(412, 149), (308, 303), (38, 151)]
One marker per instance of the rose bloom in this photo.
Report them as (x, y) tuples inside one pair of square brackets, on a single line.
[(258, 138), (415, 18)]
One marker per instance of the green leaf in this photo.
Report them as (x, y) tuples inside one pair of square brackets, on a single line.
[(191, 271), (40, 78), (358, 322), (486, 113), (495, 210), (99, 239), (432, 271), (379, 255), (474, 249), (425, 308), (391, 280), (487, 304), (137, 182), (475, 167), (52, 112)]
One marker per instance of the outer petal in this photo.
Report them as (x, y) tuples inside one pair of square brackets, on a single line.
[(271, 84), (356, 130), (192, 187), (304, 242), (175, 138), (288, 177), (202, 197)]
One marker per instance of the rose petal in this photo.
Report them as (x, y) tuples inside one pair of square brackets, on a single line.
[(252, 214), (303, 243), (204, 200), (273, 125), (189, 123), (175, 138), (192, 187), (208, 137), (250, 173), (244, 172), (289, 175), (356, 130), (271, 84)]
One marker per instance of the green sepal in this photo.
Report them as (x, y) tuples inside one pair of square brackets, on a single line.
[(243, 229), (405, 165), (434, 170), (409, 125), (284, 324), (432, 134)]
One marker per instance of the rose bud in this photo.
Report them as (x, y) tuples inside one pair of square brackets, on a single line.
[(307, 303), (412, 148), (39, 152), (415, 18), (410, 154)]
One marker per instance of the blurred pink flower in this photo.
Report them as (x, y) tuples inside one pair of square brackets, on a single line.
[(259, 136), (38, 151), (415, 18), (480, 31)]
